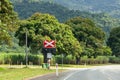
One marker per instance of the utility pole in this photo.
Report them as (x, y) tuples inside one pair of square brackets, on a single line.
[(62, 61), (26, 58)]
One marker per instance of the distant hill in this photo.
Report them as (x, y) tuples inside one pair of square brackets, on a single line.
[(26, 8), (112, 7)]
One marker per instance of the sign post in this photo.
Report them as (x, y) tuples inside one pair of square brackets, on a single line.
[(49, 56), (62, 61), (49, 47), (26, 56)]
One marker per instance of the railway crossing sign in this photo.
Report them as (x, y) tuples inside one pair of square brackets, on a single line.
[(49, 44), (49, 48)]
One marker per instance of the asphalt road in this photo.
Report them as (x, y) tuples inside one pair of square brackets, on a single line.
[(96, 73)]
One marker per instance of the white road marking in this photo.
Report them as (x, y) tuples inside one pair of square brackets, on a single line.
[(70, 75), (94, 69), (109, 77), (102, 69)]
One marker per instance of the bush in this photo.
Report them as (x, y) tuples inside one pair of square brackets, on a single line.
[(69, 59), (58, 59), (113, 59), (102, 60), (83, 60), (98, 60), (35, 59)]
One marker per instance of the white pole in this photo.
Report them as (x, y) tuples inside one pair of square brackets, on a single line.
[(56, 69)]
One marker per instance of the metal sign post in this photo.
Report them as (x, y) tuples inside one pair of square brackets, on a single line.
[(49, 56), (62, 61), (26, 49), (49, 48)]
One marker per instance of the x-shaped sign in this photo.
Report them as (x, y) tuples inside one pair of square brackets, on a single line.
[(49, 44)]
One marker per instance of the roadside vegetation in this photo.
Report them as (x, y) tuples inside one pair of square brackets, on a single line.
[(37, 59), (79, 40)]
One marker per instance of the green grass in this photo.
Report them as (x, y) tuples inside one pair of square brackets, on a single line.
[(18, 73), (1, 69), (81, 66), (21, 73), (74, 66)]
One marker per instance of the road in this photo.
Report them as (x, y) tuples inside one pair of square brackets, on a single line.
[(97, 73)]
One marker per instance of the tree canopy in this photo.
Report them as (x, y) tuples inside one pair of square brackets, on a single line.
[(44, 26), (91, 37), (8, 20), (114, 41)]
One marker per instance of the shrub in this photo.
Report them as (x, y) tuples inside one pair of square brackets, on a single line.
[(84, 60), (70, 59), (35, 59), (58, 59), (113, 59), (92, 60), (102, 59)]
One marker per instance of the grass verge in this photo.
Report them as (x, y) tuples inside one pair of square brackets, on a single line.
[(15, 72), (21, 73)]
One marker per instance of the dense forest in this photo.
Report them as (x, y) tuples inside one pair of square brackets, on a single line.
[(112, 7)]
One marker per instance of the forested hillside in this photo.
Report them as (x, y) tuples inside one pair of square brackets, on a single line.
[(26, 8), (110, 6)]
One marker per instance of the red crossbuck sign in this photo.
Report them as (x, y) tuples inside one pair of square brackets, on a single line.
[(49, 44)]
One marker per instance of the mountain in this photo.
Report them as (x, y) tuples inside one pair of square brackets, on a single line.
[(109, 6), (112, 7), (26, 8)]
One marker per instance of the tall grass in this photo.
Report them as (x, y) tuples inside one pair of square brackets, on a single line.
[(84, 60), (113, 59), (18, 58), (98, 60)]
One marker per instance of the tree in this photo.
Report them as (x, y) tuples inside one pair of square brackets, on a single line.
[(44, 26), (8, 21), (90, 36), (114, 41)]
